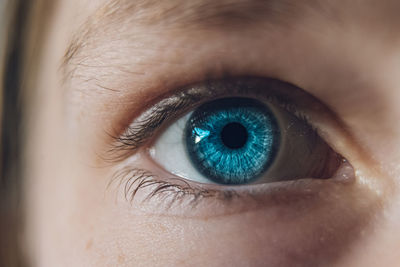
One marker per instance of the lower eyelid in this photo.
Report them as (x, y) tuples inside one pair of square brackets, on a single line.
[(158, 193)]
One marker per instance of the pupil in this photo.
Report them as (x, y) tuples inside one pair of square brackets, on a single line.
[(234, 135)]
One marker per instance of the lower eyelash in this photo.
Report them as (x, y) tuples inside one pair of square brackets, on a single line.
[(170, 191), (176, 197)]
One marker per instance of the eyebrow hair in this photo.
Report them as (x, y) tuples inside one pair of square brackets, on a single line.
[(223, 15)]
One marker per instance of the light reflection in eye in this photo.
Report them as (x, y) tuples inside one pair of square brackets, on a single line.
[(200, 134)]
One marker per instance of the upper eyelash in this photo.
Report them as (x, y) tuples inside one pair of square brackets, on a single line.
[(150, 121), (136, 134)]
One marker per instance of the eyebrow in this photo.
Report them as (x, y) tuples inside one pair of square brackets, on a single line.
[(223, 15)]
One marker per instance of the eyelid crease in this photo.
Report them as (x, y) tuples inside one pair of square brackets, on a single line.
[(145, 125)]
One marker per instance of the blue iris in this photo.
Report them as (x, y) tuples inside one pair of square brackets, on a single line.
[(232, 140)]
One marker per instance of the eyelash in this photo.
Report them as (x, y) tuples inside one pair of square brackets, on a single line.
[(169, 109), (132, 180)]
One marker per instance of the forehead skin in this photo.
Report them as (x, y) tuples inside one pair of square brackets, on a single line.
[(103, 60)]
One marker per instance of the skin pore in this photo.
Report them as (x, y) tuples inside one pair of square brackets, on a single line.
[(105, 63)]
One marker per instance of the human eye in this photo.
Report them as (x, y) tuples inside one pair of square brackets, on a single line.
[(240, 138)]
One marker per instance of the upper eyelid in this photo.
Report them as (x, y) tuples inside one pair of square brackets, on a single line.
[(170, 108)]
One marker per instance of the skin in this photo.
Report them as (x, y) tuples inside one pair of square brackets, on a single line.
[(98, 72)]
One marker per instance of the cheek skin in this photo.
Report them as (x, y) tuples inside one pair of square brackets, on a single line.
[(317, 234), (319, 230)]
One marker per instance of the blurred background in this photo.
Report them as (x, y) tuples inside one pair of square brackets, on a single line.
[(9, 90)]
